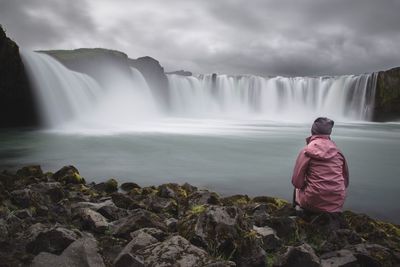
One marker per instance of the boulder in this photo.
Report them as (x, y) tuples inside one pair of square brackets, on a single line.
[(69, 175), (53, 190), (25, 198), (154, 232), (340, 258), (175, 250), (129, 186), (224, 232), (124, 201), (127, 257), (202, 197), (138, 219), (270, 241), (260, 215), (92, 220), (166, 206), (302, 255), (81, 253), (53, 240), (28, 171), (110, 186)]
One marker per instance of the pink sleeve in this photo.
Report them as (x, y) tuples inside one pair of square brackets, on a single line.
[(300, 169), (345, 171)]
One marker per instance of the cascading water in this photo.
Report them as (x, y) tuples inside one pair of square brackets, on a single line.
[(62, 94), (344, 98), (72, 101), (68, 99)]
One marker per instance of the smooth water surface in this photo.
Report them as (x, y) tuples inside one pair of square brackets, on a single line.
[(254, 158)]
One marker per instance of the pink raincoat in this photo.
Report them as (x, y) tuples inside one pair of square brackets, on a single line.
[(321, 175)]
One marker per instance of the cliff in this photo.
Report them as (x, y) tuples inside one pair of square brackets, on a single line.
[(387, 96), (49, 219), (17, 107)]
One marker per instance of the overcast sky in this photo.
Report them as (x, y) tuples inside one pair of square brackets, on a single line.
[(264, 37)]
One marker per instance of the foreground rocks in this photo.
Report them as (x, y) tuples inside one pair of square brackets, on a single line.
[(51, 219)]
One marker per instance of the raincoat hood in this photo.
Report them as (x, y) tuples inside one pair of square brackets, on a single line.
[(321, 147)]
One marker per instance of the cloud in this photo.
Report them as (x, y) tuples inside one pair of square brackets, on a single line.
[(265, 37)]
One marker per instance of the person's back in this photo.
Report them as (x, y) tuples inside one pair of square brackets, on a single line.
[(320, 174)]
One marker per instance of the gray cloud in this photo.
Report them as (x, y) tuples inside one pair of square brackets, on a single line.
[(265, 37)]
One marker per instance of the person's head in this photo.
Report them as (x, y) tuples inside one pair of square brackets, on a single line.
[(322, 126)]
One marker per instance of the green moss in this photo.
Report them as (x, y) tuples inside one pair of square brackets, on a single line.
[(196, 209), (236, 200), (270, 260), (111, 186)]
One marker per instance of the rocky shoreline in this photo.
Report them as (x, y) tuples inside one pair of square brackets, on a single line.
[(58, 218)]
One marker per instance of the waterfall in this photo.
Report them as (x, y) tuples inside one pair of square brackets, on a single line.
[(70, 99), (344, 98)]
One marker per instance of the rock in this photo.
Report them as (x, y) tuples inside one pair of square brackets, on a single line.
[(373, 255), (138, 219), (249, 252), (221, 264), (340, 258), (69, 175), (3, 230), (53, 190), (154, 74), (260, 215), (203, 197), (92, 220), (236, 200), (53, 240), (175, 250), (337, 240), (224, 232), (165, 206), (180, 72), (387, 95), (24, 198), (124, 201), (154, 232), (302, 255), (109, 186), (23, 214), (17, 106), (129, 186), (140, 240), (172, 225), (285, 227), (28, 171), (128, 260), (81, 253), (7, 180), (270, 241)]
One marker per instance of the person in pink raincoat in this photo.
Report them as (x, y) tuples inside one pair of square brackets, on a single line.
[(321, 175)]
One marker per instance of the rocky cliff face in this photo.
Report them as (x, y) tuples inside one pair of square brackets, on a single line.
[(387, 97), (16, 99), (154, 74)]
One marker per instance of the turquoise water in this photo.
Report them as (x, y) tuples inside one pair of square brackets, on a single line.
[(249, 158)]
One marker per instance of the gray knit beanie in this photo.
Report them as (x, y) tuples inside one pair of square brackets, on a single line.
[(322, 126)]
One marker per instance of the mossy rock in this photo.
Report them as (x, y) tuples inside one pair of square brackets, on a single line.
[(69, 175), (33, 170), (374, 231), (236, 200)]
